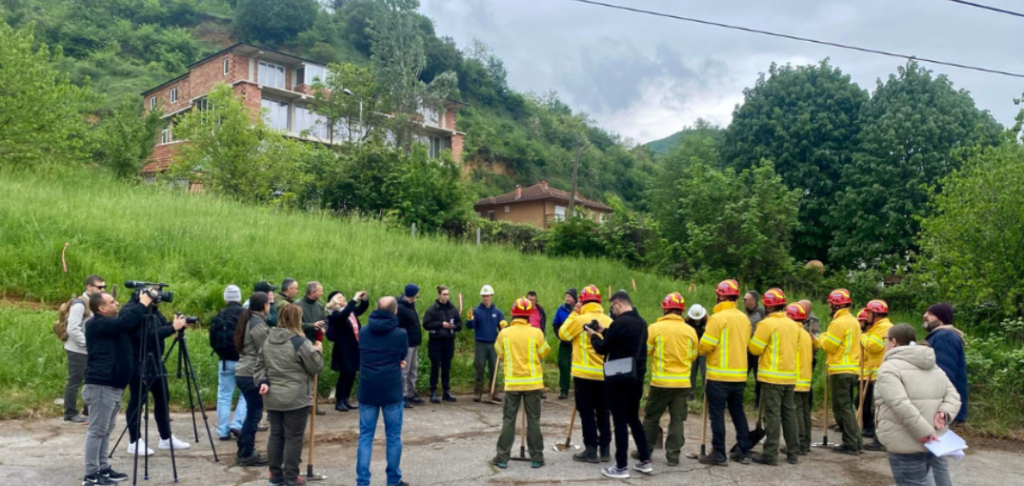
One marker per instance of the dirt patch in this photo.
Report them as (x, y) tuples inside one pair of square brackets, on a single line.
[(347, 437), (20, 301), (979, 442)]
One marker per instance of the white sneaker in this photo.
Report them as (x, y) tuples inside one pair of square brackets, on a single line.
[(178, 445), (143, 449), (614, 472), (644, 467)]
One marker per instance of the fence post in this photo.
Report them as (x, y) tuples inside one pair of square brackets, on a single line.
[(414, 230), (478, 236)]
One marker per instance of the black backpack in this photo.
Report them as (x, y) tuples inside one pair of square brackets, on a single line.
[(222, 333)]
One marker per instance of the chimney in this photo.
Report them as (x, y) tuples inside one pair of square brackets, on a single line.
[(519, 191), (544, 184)]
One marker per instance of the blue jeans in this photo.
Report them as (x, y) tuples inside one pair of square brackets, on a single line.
[(392, 431), (225, 391)]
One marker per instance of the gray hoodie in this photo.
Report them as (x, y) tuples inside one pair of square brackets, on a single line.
[(910, 390), (255, 334), (288, 364)]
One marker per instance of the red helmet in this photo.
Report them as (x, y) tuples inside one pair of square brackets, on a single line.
[(728, 288), (796, 312), (522, 307), (774, 298), (590, 293), (840, 297), (674, 301), (862, 315), (877, 307)]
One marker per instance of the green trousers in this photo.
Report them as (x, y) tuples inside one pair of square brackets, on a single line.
[(658, 400), (564, 368), (534, 439), (844, 407), (484, 359), (779, 419), (803, 420)]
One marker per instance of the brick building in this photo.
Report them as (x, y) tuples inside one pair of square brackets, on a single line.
[(279, 86), (538, 205)]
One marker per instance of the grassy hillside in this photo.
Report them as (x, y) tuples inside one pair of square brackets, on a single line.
[(665, 145)]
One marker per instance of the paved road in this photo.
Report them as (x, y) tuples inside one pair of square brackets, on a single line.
[(450, 444)]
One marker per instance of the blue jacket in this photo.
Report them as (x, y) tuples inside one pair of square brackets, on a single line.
[(949, 355), (382, 347), (485, 323), (560, 316)]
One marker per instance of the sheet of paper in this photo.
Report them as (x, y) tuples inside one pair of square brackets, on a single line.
[(947, 444)]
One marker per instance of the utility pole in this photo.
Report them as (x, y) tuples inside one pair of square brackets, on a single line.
[(575, 170)]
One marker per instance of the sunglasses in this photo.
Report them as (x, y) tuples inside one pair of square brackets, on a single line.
[(101, 287)]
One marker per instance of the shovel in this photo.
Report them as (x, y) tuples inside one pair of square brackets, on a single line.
[(824, 426), (494, 383), (703, 433), (522, 437), (568, 445), (757, 434), (312, 436)]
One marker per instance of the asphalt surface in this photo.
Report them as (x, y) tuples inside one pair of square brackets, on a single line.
[(451, 445)]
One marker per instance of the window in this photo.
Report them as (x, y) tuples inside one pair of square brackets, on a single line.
[(203, 106), (600, 217), (306, 119), (166, 136), (435, 145), (152, 103), (507, 209), (225, 66), (271, 75), (431, 117), (490, 215), (310, 73), (174, 95), (559, 213), (275, 113)]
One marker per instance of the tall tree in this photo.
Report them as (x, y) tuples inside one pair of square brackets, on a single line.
[(274, 21), (399, 58), (124, 137), (805, 119), (909, 130)]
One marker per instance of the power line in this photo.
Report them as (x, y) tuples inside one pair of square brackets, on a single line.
[(988, 7), (801, 39)]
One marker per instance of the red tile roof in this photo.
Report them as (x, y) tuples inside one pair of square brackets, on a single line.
[(538, 192)]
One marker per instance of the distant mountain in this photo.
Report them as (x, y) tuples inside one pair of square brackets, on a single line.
[(665, 145)]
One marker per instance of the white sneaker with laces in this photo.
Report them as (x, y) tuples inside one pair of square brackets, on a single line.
[(178, 445), (644, 467), (615, 472), (143, 450)]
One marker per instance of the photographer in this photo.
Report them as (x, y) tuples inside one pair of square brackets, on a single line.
[(154, 331), (108, 371), (626, 338)]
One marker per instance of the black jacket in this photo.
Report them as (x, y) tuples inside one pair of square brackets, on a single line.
[(110, 360), (435, 317), (627, 337), (156, 331), (409, 320), (382, 347), (345, 354)]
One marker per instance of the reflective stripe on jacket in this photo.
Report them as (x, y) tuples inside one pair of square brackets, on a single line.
[(804, 360), (586, 363), (873, 343), (522, 349), (842, 344), (775, 342), (725, 343), (672, 346)]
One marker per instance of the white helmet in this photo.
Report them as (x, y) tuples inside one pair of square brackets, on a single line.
[(486, 290), (696, 312)]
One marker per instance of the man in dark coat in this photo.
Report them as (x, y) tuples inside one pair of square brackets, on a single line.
[(313, 316), (409, 320), (948, 343)]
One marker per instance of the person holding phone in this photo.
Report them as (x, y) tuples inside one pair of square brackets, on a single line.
[(314, 316), (442, 321)]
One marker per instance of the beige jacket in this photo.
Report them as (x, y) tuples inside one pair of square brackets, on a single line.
[(909, 392)]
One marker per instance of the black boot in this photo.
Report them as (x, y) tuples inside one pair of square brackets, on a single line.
[(349, 405), (433, 397), (606, 454), (448, 396), (340, 407), (587, 455)]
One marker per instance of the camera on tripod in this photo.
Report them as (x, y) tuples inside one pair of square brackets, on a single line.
[(158, 294)]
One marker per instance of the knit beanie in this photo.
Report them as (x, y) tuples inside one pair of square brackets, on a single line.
[(412, 290), (943, 312), (574, 294), (232, 294)]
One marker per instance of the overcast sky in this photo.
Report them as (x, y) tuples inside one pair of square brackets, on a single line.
[(647, 77)]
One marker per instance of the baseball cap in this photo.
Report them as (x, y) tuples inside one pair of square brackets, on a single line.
[(263, 287)]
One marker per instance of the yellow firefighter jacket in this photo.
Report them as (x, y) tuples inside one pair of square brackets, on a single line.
[(873, 342), (672, 346), (842, 344), (522, 349), (586, 363), (725, 343), (775, 341), (804, 360)]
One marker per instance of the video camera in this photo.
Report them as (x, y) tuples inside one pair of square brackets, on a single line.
[(158, 295)]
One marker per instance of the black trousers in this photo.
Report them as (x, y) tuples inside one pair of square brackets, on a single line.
[(284, 449), (752, 364), (253, 413), (161, 415), (868, 418), (343, 390), (441, 353), (624, 403), (722, 395), (594, 418)]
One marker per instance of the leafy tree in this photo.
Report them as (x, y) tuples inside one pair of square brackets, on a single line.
[(42, 115), (696, 145), (972, 243), (274, 21), (342, 111), (909, 130), (398, 59), (629, 236), (124, 138), (805, 120), (234, 152), (576, 236)]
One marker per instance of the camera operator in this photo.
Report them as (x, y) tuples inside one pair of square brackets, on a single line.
[(154, 331), (109, 369)]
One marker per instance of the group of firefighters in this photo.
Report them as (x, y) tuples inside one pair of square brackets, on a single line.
[(782, 341)]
